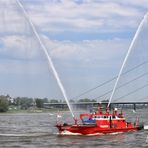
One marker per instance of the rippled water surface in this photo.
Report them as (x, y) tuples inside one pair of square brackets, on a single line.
[(36, 130)]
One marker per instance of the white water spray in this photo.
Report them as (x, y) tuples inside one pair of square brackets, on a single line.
[(127, 55), (50, 63)]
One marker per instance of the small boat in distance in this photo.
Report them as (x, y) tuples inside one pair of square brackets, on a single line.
[(99, 123)]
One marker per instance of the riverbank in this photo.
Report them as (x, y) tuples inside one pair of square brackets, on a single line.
[(13, 109)]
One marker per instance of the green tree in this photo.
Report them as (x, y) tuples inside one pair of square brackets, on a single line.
[(71, 100), (39, 103), (105, 101), (54, 101), (24, 102), (93, 100), (4, 103), (84, 100), (45, 100), (17, 101)]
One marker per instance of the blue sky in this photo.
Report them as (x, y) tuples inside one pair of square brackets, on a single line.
[(87, 41)]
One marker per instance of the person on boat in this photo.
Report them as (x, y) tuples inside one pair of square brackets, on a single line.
[(115, 113)]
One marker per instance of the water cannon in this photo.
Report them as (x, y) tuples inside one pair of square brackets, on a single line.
[(75, 120)]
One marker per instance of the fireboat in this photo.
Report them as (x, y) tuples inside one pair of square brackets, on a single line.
[(99, 123)]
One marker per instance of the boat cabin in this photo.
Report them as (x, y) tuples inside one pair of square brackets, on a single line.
[(106, 119)]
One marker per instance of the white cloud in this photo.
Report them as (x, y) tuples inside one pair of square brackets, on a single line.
[(90, 54), (133, 3), (98, 58), (20, 47), (107, 48), (88, 16), (21, 68), (11, 20)]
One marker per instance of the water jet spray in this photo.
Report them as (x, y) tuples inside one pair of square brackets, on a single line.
[(50, 63), (127, 55)]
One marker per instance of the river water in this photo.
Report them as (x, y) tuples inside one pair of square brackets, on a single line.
[(36, 130)]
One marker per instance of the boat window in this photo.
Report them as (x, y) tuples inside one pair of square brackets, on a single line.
[(113, 116), (86, 118), (98, 117), (101, 117)]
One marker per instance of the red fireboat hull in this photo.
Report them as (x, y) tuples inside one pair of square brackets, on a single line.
[(92, 129), (99, 123)]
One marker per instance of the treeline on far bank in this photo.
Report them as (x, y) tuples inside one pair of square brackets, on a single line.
[(24, 103)]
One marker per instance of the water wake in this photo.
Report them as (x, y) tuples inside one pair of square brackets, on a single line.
[(25, 135)]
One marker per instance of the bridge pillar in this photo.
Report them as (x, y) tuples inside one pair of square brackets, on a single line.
[(134, 105), (110, 107)]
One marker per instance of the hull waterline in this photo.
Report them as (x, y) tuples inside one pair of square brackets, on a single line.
[(92, 130)]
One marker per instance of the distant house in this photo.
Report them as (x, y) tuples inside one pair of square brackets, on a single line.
[(10, 99)]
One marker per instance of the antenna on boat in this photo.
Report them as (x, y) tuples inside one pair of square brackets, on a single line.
[(127, 55)]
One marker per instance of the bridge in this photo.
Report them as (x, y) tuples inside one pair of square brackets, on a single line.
[(94, 104)]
